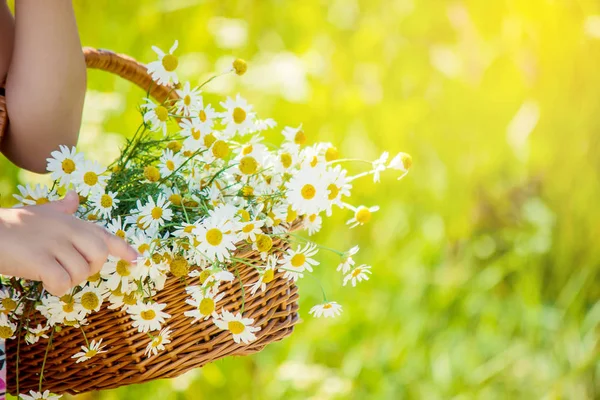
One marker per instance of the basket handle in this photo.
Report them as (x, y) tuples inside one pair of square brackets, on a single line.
[(118, 64)]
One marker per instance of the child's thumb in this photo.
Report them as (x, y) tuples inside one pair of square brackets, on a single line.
[(67, 205)]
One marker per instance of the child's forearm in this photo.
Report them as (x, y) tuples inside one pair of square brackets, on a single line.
[(45, 86), (7, 33)]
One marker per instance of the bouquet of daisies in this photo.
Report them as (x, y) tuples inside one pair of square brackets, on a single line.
[(193, 185)]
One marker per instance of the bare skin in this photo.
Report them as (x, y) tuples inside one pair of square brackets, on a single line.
[(46, 243), (44, 68)]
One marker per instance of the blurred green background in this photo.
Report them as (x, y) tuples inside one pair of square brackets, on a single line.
[(485, 257)]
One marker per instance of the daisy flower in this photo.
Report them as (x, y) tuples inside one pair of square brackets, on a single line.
[(36, 195), (91, 298), (362, 215), (156, 115), (63, 163), (117, 227), (285, 160), (158, 342), (329, 309), (7, 328), (205, 117), (237, 117), (89, 178), (265, 276), (347, 262), (402, 162), (358, 274), (33, 395), (119, 273), (379, 166), (148, 316), (249, 230), (10, 303), (193, 139), (33, 335), (338, 185), (307, 192), (163, 70), (189, 100), (154, 214), (169, 162), (104, 203), (295, 262), (87, 352), (173, 194), (294, 138), (215, 240), (241, 328), (312, 223), (204, 305)]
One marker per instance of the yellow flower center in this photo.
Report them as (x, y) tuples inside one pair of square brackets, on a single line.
[(202, 116), (90, 178), (68, 166), (236, 327), (9, 304), (157, 212), (214, 237), (90, 300), (120, 233), (291, 214), (188, 229), (247, 150), (151, 173), (106, 201), (268, 276), (204, 275), (179, 267), (331, 154), (41, 200), (327, 306), (239, 115), (209, 140), (286, 160), (140, 224), (187, 100), (161, 113), (6, 332), (298, 260), (240, 66), (170, 62), (333, 191), (248, 165), (157, 341), (363, 215), (314, 161), (308, 191), (122, 268), (300, 137), (220, 149), (264, 243), (170, 165), (91, 353), (148, 315), (356, 272), (175, 199), (144, 247), (406, 160), (196, 134), (248, 228), (312, 217), (94, 278), (130, 299), (69, 307), (174, 146), (92, 217), (206, 306), (244, 214), (247, 191)]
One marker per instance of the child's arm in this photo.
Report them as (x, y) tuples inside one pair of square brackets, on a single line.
[(7, 33), (46, 243), (45, 85)]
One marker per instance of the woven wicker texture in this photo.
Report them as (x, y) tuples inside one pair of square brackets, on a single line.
[(192, 345)]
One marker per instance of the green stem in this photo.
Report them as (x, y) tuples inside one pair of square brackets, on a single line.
[(44, 362)]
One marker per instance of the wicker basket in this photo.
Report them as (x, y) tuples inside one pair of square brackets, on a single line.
[(192, 346)]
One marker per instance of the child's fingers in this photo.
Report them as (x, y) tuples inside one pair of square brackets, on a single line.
[(119, 248), (74, 263), (90, 243), (66, 205), (56, 279)]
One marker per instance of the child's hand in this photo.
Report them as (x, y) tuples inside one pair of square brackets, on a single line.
[(47, 243)]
